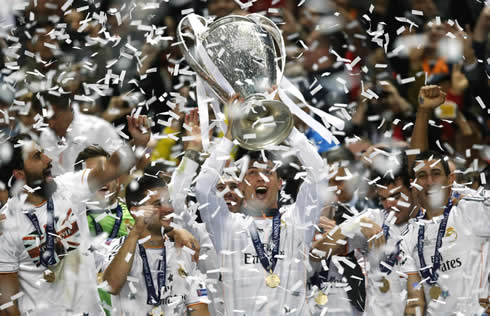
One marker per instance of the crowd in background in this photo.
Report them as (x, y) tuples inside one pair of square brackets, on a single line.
[(363, 62)]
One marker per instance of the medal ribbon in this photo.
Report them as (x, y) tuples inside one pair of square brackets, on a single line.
[(269, 264), (50, 260), (115, 228), (153, 296), (391, 259), (437, 256)]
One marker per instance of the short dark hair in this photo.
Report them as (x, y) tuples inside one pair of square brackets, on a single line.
[(136, 190), (61, 101), (254, 155), (158, 169), (339, 153), (16, 161), (402, 173), (431, 154), (87, 153)]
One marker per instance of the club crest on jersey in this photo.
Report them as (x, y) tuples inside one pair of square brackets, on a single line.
[(182, 272), (451, 234)]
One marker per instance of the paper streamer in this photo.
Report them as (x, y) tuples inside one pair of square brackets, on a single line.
[(286, 85), (203, 112)]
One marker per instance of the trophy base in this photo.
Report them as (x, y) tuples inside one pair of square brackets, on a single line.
[(264, 123)]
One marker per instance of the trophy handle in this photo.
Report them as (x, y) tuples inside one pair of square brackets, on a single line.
[(186, 23), (277, 36)]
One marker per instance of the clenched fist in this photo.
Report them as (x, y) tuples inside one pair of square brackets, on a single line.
[(431, 97)]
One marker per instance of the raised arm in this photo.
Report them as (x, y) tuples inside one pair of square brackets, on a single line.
[(309, 201), (9, 286), (430, 97), (182, 176), (213, 208), (122, 160), (121, 256), (415, 296)]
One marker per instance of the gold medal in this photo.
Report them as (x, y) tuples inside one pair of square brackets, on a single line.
[(100, 278), (321, 298), (272, 280), (157, 311), (49, 276), (386, 285), (435, 291)]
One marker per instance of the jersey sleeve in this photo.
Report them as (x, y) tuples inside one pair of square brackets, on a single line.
[(111, 251), (477, 215), (198, 293), (74, 185), (309, 201), (213, 209), (108, 137), (9, 260), (180, 185), (9, 252)]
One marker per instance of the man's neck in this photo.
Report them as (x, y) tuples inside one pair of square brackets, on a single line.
[(155, 241), (431, 213), (260, 212), (35, 199)]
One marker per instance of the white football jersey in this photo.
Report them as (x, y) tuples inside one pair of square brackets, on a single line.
[(246, 292), (393, 301), (74, 290), (208, 260), (183, 286), (462, 257), (85, 130)]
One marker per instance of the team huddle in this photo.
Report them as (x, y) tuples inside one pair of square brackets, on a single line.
[(219, 238)]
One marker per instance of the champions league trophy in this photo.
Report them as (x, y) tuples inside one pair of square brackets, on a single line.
[(244, 55)]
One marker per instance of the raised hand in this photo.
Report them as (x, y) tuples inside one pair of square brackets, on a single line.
[(142, 218), (326, 224), (231, 114), (371, 232), (183, 238), (193, 129), (430, 97), (139, 129)]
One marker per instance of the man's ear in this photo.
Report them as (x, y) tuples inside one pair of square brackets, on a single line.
[(452, 178), (132, 209), (19, 174)]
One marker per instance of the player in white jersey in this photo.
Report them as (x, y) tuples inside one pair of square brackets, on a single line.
[(179, 188), (265, 254), (445, 248), (149, 275), (378, 238), (46, 267), (345, 283)]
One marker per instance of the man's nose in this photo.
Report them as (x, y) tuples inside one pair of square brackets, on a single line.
[(390, 203), (46, 159), (429, 180)]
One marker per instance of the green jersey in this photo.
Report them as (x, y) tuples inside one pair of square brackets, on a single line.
[(106, 221)]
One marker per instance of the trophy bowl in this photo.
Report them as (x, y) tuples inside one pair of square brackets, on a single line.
[(244, 55)]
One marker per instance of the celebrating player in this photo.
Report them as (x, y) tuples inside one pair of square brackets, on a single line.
[(46, 265), (145, 270), (264, 254)]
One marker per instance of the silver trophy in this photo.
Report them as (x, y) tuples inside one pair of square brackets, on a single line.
[(246, 55)]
